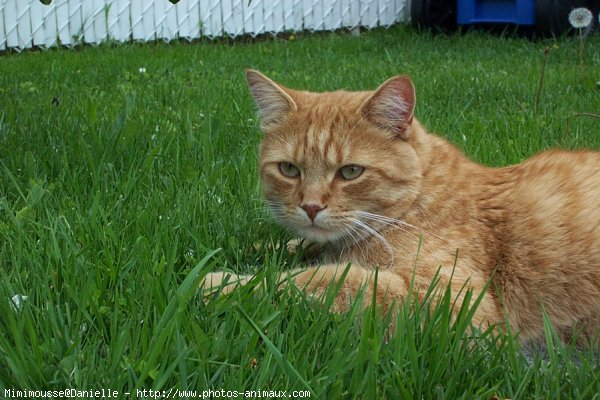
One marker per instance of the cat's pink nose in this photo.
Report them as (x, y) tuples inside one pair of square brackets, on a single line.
[(312, 210)]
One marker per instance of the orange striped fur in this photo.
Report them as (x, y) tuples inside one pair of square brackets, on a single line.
[(532, 228)]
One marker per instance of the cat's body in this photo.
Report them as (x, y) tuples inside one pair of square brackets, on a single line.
[(357, 173)]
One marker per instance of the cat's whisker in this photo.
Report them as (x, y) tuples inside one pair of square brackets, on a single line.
[(368, 229), (390, 223), (366, 249), (348, 239), (356, 236), (375, 234), (396, 222), (274, 204)]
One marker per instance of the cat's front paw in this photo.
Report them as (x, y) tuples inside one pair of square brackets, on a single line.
[(222, 281), (310, 251)]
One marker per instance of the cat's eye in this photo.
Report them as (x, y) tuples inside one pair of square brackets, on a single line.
[(288, 169), (352, 171)]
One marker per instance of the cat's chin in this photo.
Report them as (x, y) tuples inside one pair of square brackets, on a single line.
[(319, 235)]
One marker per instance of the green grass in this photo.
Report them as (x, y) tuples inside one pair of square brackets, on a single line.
[(116, 198)]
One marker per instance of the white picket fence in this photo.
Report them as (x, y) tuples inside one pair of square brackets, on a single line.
[(29, 23)]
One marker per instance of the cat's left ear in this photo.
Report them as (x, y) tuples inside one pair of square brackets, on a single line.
[(392, 105)]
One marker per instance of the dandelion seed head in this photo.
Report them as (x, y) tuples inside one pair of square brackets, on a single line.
[(580, 17)]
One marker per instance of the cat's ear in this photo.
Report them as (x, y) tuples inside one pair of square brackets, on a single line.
[(272, 99), (392, 105)]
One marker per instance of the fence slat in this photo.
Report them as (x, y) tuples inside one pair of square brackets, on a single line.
[(368, 14), (188, 19), (101, 20), (149, 21), (273, 16), (288, 15), (137, 27), (75, 21), (247, 14), (93, 17), (87, 16), (387, 12), (318, 14), (165, 20), (212, 18), (333, 14), (2, 30), (307, 15), (70, 22), (237, 18), (160, 16), (10, 15), (62, 22), (227, 17), (350, 13), (256, 12), (38, 35), (50, 26), (24, 30), (401, 11), (119, 20)]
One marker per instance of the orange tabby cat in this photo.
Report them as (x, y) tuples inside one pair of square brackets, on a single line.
[(357, 173)]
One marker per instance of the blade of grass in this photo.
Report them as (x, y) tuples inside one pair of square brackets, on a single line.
[(277, 354)]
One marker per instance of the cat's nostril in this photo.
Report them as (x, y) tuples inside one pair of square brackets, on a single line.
[(312, 210)]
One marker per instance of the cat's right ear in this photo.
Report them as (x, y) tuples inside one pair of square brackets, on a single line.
[(272, 99)]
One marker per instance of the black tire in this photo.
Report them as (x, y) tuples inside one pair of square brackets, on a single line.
[(552, 16), (437, 15)]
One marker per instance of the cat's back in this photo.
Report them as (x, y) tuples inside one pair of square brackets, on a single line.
[(576, 166), (554, 202), (550, 243), (559, 188)]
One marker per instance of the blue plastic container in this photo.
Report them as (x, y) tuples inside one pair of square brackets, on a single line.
[(520, 12)]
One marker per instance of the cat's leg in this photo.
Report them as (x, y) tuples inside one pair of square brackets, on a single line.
[(389, 288), (224, 281), (385, 286)]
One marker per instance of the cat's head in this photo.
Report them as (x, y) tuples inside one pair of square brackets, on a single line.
[(333, 165)]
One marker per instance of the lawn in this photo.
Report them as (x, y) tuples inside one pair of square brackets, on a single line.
[(129, 172)]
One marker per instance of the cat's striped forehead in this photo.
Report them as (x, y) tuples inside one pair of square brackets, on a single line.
[(318, 137), (325, 145), (322, 127)]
